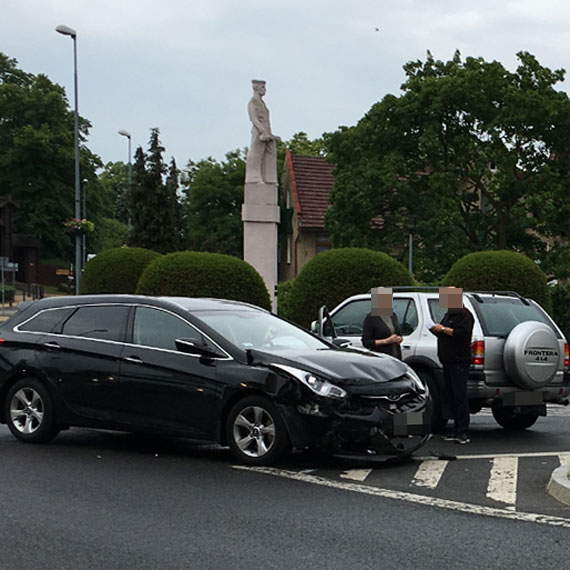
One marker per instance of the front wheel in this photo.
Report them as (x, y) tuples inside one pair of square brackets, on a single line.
[(255, 431), (513, 421), (30, 413)]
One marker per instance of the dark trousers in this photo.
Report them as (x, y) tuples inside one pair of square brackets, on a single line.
[(455, 377)]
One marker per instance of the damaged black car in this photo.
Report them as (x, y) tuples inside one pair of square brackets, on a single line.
[(207, 369)]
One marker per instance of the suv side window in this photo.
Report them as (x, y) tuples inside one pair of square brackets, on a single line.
[(435, 310), (407, 313), (45, 321), (349, 320), (160, 329), (100, 322)]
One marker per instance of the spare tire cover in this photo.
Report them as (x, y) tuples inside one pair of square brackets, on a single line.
[(531, 355)]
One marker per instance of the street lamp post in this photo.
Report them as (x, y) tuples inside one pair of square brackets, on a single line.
[(67, 31), (124, 133)]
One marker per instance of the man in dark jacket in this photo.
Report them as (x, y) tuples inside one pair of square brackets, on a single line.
[(454, 352), (381, 331)]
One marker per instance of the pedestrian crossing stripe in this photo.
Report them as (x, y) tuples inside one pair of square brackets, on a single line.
[(426, 500)]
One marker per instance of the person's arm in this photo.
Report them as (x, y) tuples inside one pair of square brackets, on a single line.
[(462, 329), (368, 333)]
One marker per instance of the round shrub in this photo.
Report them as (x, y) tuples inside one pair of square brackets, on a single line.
[(116, 270), (500, 271), (332, 276), (201, 274), (283, 293)]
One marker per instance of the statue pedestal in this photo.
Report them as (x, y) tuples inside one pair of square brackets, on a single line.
[(260, 216)]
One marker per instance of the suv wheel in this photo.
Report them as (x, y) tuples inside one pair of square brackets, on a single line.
[(514, 421), (29, 412), (256, 432)]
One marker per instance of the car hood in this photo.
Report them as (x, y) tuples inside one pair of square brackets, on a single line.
[(344, 367)]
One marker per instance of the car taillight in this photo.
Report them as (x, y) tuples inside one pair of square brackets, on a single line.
[(566, 359), (478, 352)]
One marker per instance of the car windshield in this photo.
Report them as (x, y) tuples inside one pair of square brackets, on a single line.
[(249, 329)]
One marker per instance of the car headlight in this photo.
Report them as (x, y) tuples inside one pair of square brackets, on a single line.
[(319, 386)]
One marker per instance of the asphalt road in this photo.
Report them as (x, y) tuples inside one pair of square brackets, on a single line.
[(102, 500)]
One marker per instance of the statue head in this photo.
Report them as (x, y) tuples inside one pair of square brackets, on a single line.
[(259, 86)]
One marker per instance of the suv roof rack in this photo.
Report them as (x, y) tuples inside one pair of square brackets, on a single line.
[(475, 294)]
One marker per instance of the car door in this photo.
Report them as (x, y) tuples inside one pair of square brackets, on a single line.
[(82, 355), (406, 310), (160, 385)]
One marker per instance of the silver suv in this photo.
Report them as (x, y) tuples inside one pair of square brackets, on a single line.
[(519, 355)]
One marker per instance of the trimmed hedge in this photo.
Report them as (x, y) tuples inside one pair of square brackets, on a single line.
[(116, 270), (334, 275), (283, 294), (202, 274), (500, 271)]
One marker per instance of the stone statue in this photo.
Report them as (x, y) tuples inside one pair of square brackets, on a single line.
[(261, 164)]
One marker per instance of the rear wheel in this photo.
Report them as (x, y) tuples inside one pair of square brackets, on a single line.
[(29, 412), (511, 420), (255, 431)]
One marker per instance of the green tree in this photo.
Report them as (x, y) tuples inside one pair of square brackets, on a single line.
[(37, 157), (471, 156), (153, 202), (213, 197), (114, 178)]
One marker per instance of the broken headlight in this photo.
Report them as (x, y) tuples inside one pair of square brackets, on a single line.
[(318, 385)]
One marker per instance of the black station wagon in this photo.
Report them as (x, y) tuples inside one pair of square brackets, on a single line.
[(208, 369)]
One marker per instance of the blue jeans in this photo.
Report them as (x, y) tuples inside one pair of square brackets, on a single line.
[(455, 377)]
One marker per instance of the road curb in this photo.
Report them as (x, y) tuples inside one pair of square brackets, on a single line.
[(559, 485)]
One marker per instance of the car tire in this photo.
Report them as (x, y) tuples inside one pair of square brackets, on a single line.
[(29, 412), (438, 421), (513, 421), (531, 355), (256, 432)]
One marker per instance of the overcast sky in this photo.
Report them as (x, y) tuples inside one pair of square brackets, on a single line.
[(185, 66)]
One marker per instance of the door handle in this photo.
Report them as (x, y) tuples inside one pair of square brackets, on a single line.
[(133, 359), (51, 344), (406, 346)]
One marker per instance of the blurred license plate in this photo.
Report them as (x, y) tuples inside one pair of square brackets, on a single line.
[(412, 423), (523, 399)]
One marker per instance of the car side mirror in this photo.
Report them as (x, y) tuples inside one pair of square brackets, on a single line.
[(192, 346), (325, 320)]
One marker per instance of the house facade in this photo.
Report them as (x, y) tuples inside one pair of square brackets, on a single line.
[(304, 198)]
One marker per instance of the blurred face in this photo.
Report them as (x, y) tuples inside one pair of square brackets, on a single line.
[(381, 302), (451, 298)]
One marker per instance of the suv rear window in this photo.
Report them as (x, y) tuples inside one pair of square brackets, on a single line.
[(499, 316)]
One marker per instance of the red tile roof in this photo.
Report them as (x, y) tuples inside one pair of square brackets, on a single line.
[(311, 183)]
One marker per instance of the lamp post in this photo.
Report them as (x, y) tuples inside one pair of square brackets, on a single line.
[(83, 237), (67, 31), (124, 133)]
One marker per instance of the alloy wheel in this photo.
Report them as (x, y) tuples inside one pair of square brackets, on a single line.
[(254, 431)]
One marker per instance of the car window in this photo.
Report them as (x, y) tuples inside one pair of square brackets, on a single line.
[(436, 312), (499, 316), (160, 329), (407, 314), (46, 321), (100, 322), (349, 319)]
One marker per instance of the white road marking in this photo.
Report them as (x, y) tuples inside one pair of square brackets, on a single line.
[(356, 474), (411, 497), (493, 455), (429, 473), (502, 485)]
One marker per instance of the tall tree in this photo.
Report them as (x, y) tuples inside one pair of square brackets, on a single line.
[(154, 203), (470, 157), (37, 157)]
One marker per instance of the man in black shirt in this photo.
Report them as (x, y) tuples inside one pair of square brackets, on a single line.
[(454, 351)]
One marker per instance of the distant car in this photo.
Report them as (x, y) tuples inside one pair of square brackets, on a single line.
[(519, 354), (209, 369)]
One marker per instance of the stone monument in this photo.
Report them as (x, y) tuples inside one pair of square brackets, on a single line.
[(260, 210)]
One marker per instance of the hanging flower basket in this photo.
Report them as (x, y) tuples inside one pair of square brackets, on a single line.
[(75, 226)]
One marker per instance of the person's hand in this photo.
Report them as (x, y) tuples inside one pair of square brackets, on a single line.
[(397, 338), (437, 328)]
